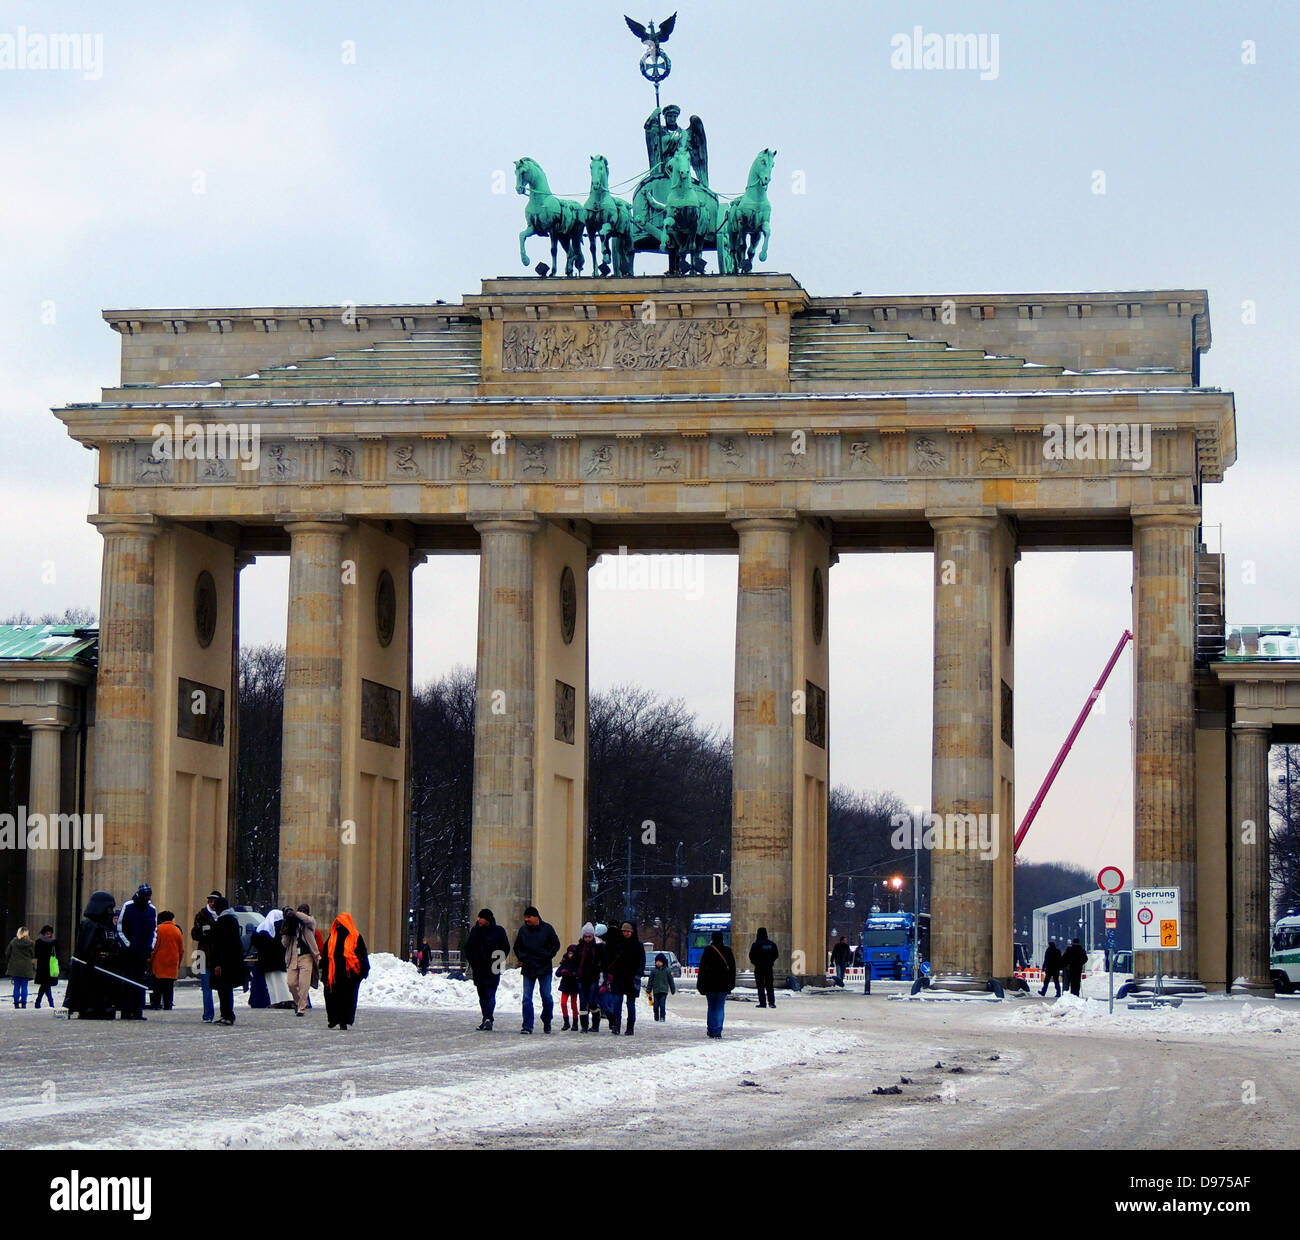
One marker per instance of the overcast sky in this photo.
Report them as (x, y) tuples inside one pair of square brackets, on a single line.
[(282, 153)]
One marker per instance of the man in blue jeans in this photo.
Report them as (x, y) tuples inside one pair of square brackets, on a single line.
[(536, 946), (715, 981), (204, 921)]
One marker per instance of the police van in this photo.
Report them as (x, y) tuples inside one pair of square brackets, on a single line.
[(1284, 963)]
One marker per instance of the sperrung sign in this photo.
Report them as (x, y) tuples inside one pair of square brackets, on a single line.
[(1157, 919)]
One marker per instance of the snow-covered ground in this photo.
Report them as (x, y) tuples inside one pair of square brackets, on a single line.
[(1212, 1016)]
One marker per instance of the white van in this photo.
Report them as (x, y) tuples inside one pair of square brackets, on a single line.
[(1284, 963)]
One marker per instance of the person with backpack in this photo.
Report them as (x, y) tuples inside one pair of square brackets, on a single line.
[(47, 965), (715, 981), (763, 955), (659, 985)]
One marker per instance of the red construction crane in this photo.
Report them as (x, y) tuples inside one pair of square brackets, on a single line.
[(1033, 809)]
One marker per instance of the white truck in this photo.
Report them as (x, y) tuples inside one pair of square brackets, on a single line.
[(1284, 962)]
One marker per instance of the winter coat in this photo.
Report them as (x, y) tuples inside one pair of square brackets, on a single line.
[(763, 955), (660, 981), (346, 962), (535, 948), (298, 933), (1074, 958), (567, 970), (590, 962), (138, 928), (167, 952), (481, 951), (226, 951), (625, 964), (1052, 960), (20, 958), (201, 932), (717, 975), (91, 993), (841, 953), (46, 947)]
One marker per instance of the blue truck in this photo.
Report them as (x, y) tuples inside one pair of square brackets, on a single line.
[(702, 927), (889, 943)]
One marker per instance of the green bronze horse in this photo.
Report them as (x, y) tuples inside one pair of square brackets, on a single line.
[(559, 219), (609, 219), (689, 218), (748, 219)]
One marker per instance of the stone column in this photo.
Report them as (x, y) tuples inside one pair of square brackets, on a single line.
[(43, 863), (961, 880), (501, 870), (312, 747), (1164, 559), (1250, 841), (762, 798), (124, 706)]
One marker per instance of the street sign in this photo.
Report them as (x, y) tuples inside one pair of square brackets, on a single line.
[(1110, 901), (1112, 918), (1157, 919), (1110, 878)]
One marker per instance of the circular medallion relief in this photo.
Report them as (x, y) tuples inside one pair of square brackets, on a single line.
[(205, 608), (568, 604), (818, 606), (385, 608)]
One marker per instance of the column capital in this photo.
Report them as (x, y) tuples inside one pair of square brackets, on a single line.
[(45, 725), (948, 519), (142, 526), (517, 521), (324, 524), (1172, 516), (1247, 728), (742, 520), (242, 560)]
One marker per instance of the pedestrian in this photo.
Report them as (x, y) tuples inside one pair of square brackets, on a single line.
[(625, 963), (567, 973), (763, 955), (1073, 961), (423, 957), (347, 965), (20, 964), (138, 930), (659, 985), (841, 954), (715, 980), (302, 953), (205, 921), (535, 948), (272, 959), (226, 960), (590, 967), (47, 965), (485, 952), (165, 963), (1051, 968), (92, 990)]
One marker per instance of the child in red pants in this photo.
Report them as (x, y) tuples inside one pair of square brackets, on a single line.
[(567, 972)]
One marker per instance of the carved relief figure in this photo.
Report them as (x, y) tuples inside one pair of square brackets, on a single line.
[(281, 465), (216, 467), (929, 456), (994, 456), (860, 455), (600, 462), (732, 453), (664, 463), (152, 468), (404, 459), (471, 463), (344, 460), (633, 345), (534, 458)]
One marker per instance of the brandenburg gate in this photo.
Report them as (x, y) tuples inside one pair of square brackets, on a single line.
[(542, 422)]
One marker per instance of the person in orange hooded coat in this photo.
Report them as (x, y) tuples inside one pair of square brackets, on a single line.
[(164, 963), (344, 967)]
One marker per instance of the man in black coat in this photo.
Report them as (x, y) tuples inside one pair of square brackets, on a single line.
[(485, 952), (138, 930), (226, 960), (1051, 968), (205, 921), (1073, 961), (841, 954), (763, 956), (715, 980), (93, 993), (626, 958), (536, 946)]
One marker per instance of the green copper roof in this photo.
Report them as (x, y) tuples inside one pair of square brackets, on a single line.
[(51, 643)]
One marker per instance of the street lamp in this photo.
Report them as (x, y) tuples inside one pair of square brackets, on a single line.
[(849, 902)]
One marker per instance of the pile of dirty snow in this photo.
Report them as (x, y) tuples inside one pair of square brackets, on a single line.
[(1214, 1016), (395, 983)]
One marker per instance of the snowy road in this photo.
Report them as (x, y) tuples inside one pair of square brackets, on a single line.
[(799, 1077)]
